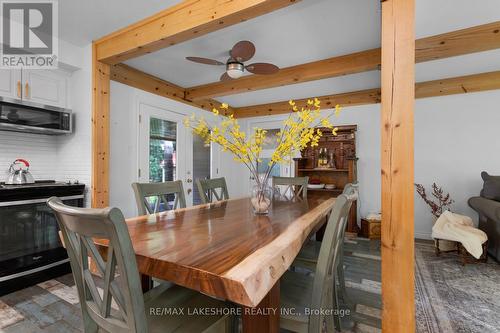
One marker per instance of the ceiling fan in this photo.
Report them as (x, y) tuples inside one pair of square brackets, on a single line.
[(235, 67)]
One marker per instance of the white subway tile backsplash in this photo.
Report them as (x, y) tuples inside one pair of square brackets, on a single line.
[(63, 158), (39, 150)]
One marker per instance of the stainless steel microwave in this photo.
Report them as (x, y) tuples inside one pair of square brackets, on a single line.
[(23, 116)]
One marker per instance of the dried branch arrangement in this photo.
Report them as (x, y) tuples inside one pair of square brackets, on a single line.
[(443, 202)]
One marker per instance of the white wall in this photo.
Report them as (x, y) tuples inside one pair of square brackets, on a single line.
[(456, 137), (124, 145), (74, 150)]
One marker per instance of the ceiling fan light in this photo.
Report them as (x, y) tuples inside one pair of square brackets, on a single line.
[(234, 70)]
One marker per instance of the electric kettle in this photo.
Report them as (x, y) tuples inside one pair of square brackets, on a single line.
[(19, 174)]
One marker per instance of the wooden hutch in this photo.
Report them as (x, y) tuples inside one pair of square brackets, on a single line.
[(338, 169)]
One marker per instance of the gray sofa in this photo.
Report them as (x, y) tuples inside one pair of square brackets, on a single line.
[(487, 205)]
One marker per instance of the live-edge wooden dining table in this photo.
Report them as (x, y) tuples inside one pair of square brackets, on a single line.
[(226, 251)]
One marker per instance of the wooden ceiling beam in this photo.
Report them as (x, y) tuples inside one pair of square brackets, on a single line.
[(458, 85), (369, 96), (480, 38), (443, 87), (187, 20), (140, 80), (476, 39)]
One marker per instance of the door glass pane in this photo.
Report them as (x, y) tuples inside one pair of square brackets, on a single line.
[(201, 164), (270, 144), (162, 152), (262, 168), (270, 141)]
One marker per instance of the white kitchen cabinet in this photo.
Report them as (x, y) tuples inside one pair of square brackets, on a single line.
[(48, 87), (10, 83)]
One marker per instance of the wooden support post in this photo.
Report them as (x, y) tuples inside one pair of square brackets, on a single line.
[(398, 97), (100, 132)]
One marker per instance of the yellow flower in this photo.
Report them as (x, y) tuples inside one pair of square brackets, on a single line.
[(326, 123), (224, 106), (337, 110), (299, 131)]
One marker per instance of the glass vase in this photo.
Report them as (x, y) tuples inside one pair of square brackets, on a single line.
[(261, 198)]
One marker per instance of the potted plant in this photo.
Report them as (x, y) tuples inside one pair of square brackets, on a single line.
[(298, 133), (440, 202)]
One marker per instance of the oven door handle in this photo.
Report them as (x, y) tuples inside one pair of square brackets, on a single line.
[(33, 201)]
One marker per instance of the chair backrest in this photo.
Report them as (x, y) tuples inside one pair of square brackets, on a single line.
[(350, 188), (329, 256), (295, 187), (352, 192), (207, 188), (121, 282), (167, 196)]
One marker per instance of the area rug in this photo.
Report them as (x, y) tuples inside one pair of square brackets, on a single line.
[(454, 298)]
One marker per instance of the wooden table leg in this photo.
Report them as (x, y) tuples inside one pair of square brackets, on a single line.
[(265, 317), (146, 283)]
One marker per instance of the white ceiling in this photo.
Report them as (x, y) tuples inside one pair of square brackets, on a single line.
[(307, 31), (82, 21)]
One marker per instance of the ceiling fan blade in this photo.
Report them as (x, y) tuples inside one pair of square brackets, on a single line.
[(205, 61), (225, 77), (243, 50), (262, 68)]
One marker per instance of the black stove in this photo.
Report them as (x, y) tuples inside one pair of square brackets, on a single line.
[(30, 248)]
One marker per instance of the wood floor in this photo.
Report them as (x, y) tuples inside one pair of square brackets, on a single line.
[(362, 266), (52, 306)]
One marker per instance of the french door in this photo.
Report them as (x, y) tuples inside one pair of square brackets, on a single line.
[(165, 148)]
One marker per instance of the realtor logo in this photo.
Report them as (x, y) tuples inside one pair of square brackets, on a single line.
[(29, 34)]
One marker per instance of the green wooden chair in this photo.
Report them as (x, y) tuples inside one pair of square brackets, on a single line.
[(308, 255), (207, 188), (302, 291), (122, 306), (169, 195), (294, 187), (308, 259)]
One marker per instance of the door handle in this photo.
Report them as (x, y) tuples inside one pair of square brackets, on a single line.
[(189, 191), (26, 90), (19, 87)]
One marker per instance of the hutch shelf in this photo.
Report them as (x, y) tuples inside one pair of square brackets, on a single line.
[(332, 162)]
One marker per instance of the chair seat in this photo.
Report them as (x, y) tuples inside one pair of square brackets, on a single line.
[(163, 306)]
